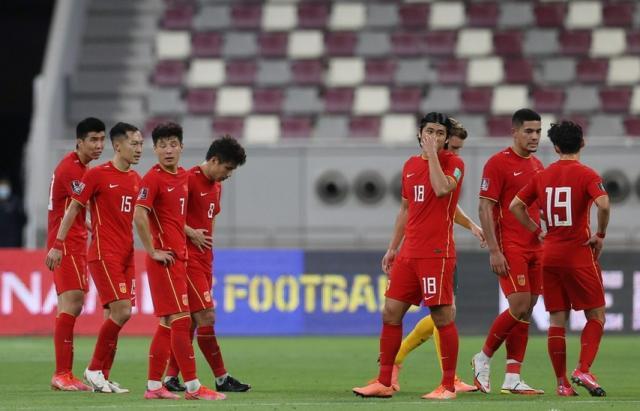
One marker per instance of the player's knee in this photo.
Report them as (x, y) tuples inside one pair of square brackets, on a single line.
[(121, 314), (391, 316), (204, 318), (596, 314)]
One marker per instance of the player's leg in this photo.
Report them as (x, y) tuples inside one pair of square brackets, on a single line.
[(420, 333)]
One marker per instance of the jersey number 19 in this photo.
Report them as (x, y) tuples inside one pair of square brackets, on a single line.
[(558, 205)]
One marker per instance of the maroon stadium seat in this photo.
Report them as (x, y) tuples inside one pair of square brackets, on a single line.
[(632, 126), (499, 126), (338, 100), (452, 71), (406, 100), (273, 44), (618, 13), (364, 126), (177, 17), (296, 127), (518, 71), (379, 71), (201, 101), (246, 15), (340, 43), (440, 42), (206, 44), (233, 126), (575, 42), (507, 43), (550, 14), (615, 99), (633, 42), (548, 100), (169, 73), (268, 100), (242, 72), (407, 43), (313, 15), (483, 14), (476, 100), (414, 16), (308, 72), (592, 70)]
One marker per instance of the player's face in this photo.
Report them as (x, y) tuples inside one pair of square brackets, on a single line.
[(168, 151), (527, 137), (92, 145), (220, 171), (455, 144), (438, 131), (131, 148)]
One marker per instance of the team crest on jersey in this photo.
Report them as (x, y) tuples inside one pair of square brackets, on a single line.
[(484, 185), (185, 300), (144, 191), (123, 288), (521, 280), (457, 173), (207, 296), (77, 186)]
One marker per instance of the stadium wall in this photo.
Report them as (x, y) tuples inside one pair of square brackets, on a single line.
[(297, 292)]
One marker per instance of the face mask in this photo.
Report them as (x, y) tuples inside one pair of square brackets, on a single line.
[(5, 191)]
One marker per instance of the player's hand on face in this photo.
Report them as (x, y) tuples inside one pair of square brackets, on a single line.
[(387, 260), (479, 234), (199, 238), (430, 145), (54, 257), (165, 257), (596, 243), (498, 263)]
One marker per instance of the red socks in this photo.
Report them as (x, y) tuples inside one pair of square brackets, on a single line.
[(209, 346), (390, 340), (557, 348), (63, 342), (499, 331), (159, 352), (516, 345), (449, 354), (589, 342), (172, 369), (105, 345), (182, 348), (108, 362)]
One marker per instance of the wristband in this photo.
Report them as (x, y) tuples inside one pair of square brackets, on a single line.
[(538, 232), (600, 235), (57, 244)]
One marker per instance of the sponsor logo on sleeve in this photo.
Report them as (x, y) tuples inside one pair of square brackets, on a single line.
[(484, 185), (77, 186), (144, 191)]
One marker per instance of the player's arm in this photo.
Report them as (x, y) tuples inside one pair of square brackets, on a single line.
[(604, 209), (519, 210), (396, 238), (198, 236), (441, 183), (496, 259), (462, 219), (141, 220), (54, 256)]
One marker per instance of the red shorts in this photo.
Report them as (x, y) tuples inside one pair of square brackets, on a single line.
[(168, 286), (199, 281), (525, 272), (429, 280), (71, 274), (115, 279), (579, 288)]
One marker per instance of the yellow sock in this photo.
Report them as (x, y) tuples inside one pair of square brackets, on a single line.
[(420, 333), (436, 341)]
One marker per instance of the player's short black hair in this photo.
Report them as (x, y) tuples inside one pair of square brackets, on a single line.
[(88, 125), (457, 129), (166, 130), (522, 115), (120, 130), (227, 150), (567, 136), (437, 118)]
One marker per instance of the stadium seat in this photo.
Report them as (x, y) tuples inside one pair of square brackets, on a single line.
[(407, 43), (380, 71), (307, 71), (414, 72), (484, 14), (506, 97), (296, 127), (441, 98), (635, 100), (240, 44), (633, 42), (452, 71), (558, 71), (165, 101), (201, 101), (446, 15), (548, 100), (405, 100), (414, 15), (576, 42), (476, 100), (261, 129), (474, 42), (246, 15), (499, 126), (340, 43), (305, 44), (582, 99), (152, 123), (233, 101), (173, 45), (440, 42), (347, 16), (345, 72), (169, 73), (485, 71), (518, 70), (371, 100), (615, 99), (632, 126), (380, 15), (583, 14), (277, 17), (592, 70), (398, 128), (618, 13), (550, 14), (302, 100), (608, 42), (330, 126), (364, 126), (540, 42), (241, 72), (177, 17), (338, 100), (313, 15), (507, 43), (206, 44), (515, 14), (624, 70), (197, 127), (233, 126), (606, 125), (273, 44), (268, 100), (372, 43), (212, 17), (273, 72), (206, 73)]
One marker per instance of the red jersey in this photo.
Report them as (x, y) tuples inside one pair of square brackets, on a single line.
[(428, 232), (67, 180), (165, 195), (504, 174), (565, 191), (204, 205), (111, 194)]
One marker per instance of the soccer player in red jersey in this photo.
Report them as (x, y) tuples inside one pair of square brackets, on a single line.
[(571, 273), (70, 275), (110, 189), (514, 253), (223, 156), (160, 217), (423, 270)]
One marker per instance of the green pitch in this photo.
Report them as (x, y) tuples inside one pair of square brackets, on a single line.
[(316, 374)]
